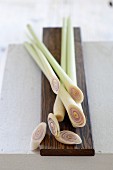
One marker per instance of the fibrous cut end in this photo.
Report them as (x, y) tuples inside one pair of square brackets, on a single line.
[(53, 124), (38, 135), (55, 84), (76, 94), (68, 137), (77, 116)]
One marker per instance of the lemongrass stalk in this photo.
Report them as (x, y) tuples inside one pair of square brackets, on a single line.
[(38, 135), (74, 91), (58, 108), (74, 110), (71, 62), (54, 81), (68, 137), (53, 124), (48, 71)]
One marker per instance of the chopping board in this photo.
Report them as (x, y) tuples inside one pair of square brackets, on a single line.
[(49, 146)]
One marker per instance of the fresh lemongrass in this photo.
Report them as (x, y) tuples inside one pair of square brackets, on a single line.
[(68, 137), (75, 113), (71, 62), (74, 91), (53, 124), (58, 108), (38, 135), (48, 71)]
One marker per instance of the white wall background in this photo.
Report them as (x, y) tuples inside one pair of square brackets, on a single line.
[(94, 17)]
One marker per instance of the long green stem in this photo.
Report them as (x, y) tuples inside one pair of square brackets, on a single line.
[(74, 91), (71, 63), (64, 44), (71, 66)]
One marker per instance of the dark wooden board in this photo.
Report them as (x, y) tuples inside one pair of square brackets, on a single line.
[(49, 146)]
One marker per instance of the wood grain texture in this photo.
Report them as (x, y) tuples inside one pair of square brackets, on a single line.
[(49, 146)]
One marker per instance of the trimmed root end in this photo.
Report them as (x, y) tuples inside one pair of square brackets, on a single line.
[(76, 94), (55, 84), (77, 117)]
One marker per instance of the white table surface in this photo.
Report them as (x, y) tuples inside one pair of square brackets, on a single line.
[(20, 107)]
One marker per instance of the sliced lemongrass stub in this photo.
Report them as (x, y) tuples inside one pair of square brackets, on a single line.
[(53, 124), (68, 137), (58, 109), (38, 135)]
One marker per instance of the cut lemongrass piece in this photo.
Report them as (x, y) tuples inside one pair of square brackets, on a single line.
[(68, 137), (38, 135), (53, 124), (73, 90), (58, 108), (48, 71), (74, 110), (71, 62)]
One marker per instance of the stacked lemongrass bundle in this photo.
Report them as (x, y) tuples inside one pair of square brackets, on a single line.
[(69, 96)]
